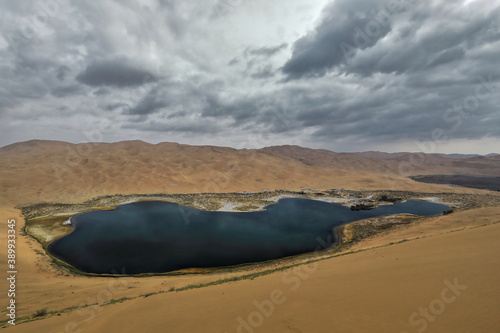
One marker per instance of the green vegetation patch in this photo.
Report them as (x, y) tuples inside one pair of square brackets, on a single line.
[(247, 208), (48, 229)]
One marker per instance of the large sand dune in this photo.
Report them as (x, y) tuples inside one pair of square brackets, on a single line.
[(52, 171)]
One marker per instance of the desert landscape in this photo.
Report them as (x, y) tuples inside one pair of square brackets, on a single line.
[(380, 275), (253, 166)]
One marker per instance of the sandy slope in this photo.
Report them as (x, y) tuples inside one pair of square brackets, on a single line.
[(375, 290)]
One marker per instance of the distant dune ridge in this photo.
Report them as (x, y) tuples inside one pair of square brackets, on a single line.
[(410, 164), (42, 171)]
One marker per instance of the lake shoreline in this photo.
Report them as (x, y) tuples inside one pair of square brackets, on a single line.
[(213, 201), (460, 201), (105, 240)]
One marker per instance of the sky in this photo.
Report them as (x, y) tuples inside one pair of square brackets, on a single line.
[(344, 75)]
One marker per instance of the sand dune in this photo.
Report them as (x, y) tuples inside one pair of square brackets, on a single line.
[(51, 171), (405, 164)]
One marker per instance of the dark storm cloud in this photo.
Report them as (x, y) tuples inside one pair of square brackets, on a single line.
[(6, 103), (114, 106), (428, 67), (233, 62), (239, 110), (178, 97), (267, 51), (390, 37), (116, 73), (272, 112), (425, 49), (179, 126), (148, 104), (102, 91), (64, 91), (322, 49), (265, 72), (396, 112), (62, 72), (447, 56), (256, 61)]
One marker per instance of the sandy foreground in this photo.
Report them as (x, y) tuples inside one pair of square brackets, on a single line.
[(443, 279)]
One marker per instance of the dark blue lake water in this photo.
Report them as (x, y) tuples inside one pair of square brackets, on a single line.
[(157, 236)]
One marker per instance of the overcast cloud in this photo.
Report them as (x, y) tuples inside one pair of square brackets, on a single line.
[(345, 75)]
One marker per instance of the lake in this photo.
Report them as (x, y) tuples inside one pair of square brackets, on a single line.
[(158, 236), (480, 182)]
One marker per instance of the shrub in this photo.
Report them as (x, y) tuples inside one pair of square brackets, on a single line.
[(362, 206), (40, 312), (385, 198)]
